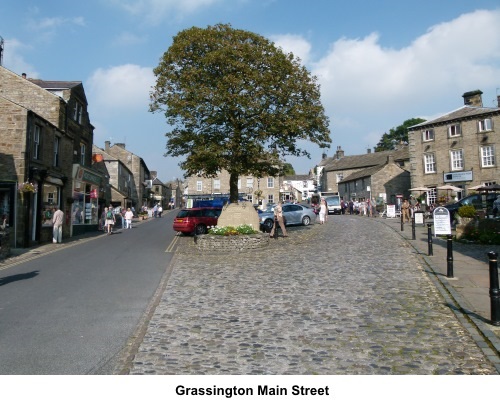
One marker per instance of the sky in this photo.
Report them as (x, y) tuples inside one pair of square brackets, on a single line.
[(378, 63)]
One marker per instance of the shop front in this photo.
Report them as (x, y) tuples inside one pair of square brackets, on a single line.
[(84, 207)]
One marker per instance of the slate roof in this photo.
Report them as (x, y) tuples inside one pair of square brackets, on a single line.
[(366, 160), (297, 177), (459, 114), (54, 85)]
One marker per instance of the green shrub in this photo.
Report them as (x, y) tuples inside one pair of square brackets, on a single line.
[(231, 230), (467, 211)]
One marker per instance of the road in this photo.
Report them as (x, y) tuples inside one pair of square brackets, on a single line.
[(72, 311)]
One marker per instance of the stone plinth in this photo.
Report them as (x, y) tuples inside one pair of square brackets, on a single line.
[(242, 213), (234, 243)]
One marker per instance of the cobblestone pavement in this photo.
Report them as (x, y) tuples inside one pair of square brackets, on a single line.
[(349, 297)]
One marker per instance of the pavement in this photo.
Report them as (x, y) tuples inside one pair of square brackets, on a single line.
[(354, 296)]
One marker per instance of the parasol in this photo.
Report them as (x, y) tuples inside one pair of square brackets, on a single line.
[(421, 189), (449, 187)]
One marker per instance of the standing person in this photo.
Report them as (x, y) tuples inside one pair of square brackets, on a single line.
[(128, 218), (155, 210), (342, 206), (351, 207), (278, 216), (405, 210), (110, 220), (57, 222), (369, 207), (160, 210), (323, 211)]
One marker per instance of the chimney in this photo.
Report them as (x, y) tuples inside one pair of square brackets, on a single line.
[(339, 153), (107, 144), (390, 159), (154, 175), (473, 98), (23, 75), (323, 156), (368, 150)]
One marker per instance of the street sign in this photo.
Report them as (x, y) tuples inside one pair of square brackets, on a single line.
[(391, 211), (442, 224), (419, 217)]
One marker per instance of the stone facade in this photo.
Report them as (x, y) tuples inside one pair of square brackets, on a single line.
[(460, 148), (203, 187), (237, 243)]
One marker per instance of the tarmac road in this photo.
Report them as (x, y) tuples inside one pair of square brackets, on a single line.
[(73, 310)]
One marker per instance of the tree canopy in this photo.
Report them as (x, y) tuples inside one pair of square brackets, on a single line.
[(396, 135), (234, 101)]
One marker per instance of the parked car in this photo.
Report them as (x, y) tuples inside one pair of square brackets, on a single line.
[(293, 214), (476, 200), (196, 220)]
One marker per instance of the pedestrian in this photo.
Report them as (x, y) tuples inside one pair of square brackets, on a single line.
[(160, 210), (128, 218), (351, 207), (342, 206), (405, 211), (155, 211), (57, 222), (110, 220), (496, 206), (323, 211), (278, 217), (122, 214)]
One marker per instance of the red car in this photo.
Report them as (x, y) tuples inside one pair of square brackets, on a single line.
[(196, 220)]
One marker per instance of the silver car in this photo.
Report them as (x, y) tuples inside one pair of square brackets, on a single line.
[(293, 214)]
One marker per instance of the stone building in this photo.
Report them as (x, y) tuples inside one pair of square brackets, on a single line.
[(250, 188), (161, 193), (298, 187), (332, 171), (459, 148), (52, 137), (141, 194), (386, 183)]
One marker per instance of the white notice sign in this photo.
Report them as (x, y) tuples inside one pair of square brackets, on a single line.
[(442, 224), (391, 211), (419, 217)]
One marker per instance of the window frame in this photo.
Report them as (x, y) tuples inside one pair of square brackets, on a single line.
[(450, 130), (270, 182), (490, 157), (37, 142), (482, 127), (428, 135), (199, 185), (428, 164), (57, 146), (83, 152), (453, 166)]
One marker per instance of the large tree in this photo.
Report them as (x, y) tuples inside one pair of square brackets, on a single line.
[(396, 135), (235, 101)]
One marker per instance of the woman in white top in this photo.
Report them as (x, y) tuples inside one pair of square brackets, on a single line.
[(322, 211)]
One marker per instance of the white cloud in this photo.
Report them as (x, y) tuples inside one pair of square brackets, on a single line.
[(120, 88), (156, 10), (13, 59), (295, 44), (128, 38), (367, 88)]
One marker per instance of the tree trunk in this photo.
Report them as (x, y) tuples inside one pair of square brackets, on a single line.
[(233, 187)]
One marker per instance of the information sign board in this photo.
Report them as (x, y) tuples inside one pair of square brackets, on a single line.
[(391, 211), (442, 224), (419, 217)]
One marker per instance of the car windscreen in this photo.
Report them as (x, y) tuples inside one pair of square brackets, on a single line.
[(188, 214)]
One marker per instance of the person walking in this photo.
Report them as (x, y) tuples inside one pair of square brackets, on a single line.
[(110, 220), (278, 217), (160, 210), (405, 211), (323, 211), (57, 222), (128, 218)]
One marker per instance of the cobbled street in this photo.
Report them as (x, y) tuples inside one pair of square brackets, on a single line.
[(346, 298)]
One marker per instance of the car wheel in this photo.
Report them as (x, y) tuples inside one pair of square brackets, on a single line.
[(306, 220), (200, 229), (268, 225)]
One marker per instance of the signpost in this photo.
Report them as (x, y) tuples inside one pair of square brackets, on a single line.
[(442, 224)]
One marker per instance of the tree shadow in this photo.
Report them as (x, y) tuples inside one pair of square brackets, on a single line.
[(18, 277)]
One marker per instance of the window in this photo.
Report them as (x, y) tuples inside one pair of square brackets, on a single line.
[(429, 163), (270, 182), (239, 184), (37, 136), (454, 130), (270, 199), (50, 199), (485, 125), (457, 159), (250, 182), (428, 135), (487, 156), (56, 151), (199, 185), (82, 154), (217, 184), (432, 195), (77, 112)]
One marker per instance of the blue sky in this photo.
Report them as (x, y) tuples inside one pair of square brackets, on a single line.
[(378, 62)]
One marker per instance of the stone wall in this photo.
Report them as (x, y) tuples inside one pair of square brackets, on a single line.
[(237, 243)]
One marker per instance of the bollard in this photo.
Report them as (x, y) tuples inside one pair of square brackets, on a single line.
[(449, 256), (429, 240), (494, 289), (413, 228), (402, 223)]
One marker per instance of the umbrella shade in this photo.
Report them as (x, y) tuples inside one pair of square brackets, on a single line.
[(449, 187), (475, 187), (422, 189), (492, 187)]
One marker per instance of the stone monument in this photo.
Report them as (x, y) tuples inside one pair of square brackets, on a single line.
[(241, 213)]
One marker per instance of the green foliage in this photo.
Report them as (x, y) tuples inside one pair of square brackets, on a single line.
[(288, 170), (467, 211), (231, 230), (234, 101), (396, 135)]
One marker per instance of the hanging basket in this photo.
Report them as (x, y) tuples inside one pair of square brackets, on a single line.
[(27, 188)]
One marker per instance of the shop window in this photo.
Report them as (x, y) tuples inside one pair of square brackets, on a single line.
[(50, 202), (37, 136), (85, 203)]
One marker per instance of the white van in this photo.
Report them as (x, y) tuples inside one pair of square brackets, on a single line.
[(333, 204)]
